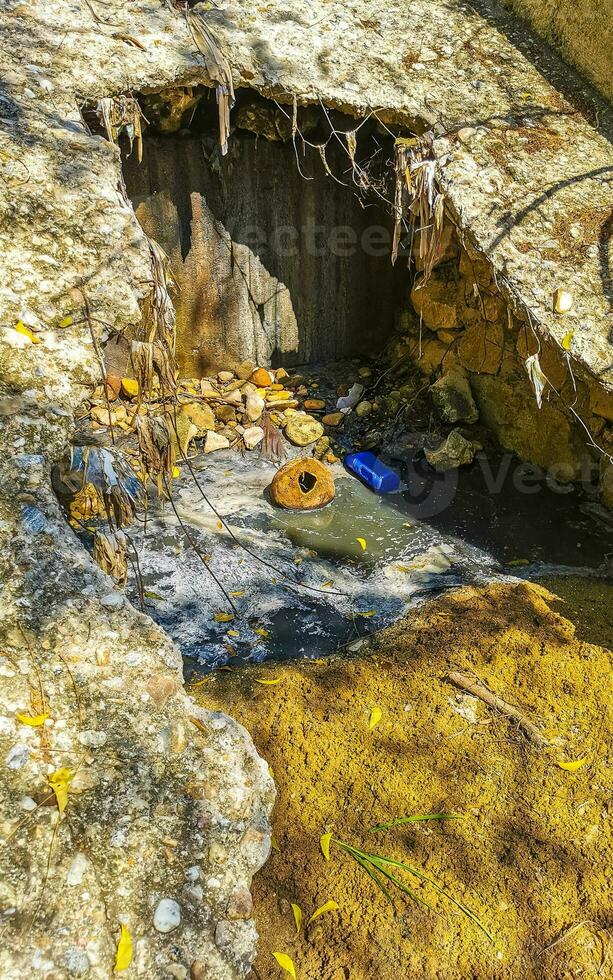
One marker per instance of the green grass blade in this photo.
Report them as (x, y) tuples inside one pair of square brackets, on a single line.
[(368, 868), (417, 818), (402, 887)]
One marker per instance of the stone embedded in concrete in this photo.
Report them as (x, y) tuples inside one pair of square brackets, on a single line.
[(302, 484)]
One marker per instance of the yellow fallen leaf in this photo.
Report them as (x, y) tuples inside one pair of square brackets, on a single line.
[(402, 568), (233, 633), (271, 772), (274, 680), (330, 906), (518, 561), (274, 843), (21, 328), (375, 717), (324, 843), (573, 766), (148, 594), (176, 472), (362, 543), (66, 322), (286, 963), (223, 617), (236, 595), (124, 950), (327, 584), (34, 721), (219, 525), (59, 782), (297, 916), (261, 631), (567, 339), (368, 614)]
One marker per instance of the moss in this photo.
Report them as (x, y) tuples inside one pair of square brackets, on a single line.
[(531, 855)]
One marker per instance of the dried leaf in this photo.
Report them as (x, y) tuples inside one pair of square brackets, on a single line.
[(326, 585), (148, 594), (286, 963), (233, 633), (324, 843), (330, 906), (275, 680), (368, 614), (536, 376), (375, 717), (222, 617), (34, 721), (236, 595), (124, 950), (297, 916), (261, 631), (573, 766), (21, 328), (66, 322), (59, 782), (362, 543), (567, 339), (351, 145), (176, 472)]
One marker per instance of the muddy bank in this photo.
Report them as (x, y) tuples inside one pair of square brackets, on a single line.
[(529, 857)]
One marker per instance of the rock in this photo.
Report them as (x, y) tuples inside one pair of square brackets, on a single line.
[(240, 905), (363, 408), (200, 414), (245, 370), (314, 404), (453, 398), (454, 451), (253, 436), (233, 397), (167, 915), (261, 378), (224, 376), (334, 419), (129, 387), (112, 387), (254, 406), (562, 301), (281, 374), (322, 447), (215, 441), (435, 302), (364, 372), (225, 413), (481, 346), (601, 401), (302, 484), (302, 430)]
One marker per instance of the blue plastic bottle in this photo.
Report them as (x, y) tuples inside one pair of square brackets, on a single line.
[(373, 472)]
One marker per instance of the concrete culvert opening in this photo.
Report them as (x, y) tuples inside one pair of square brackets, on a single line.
[(306, 482), (279, 255)]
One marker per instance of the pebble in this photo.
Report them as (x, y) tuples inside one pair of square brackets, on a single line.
[(18, 756), (261, 378), (314, 404), (167, 915), (254, 406), (253, 436), (113, 600), (302, 430), (363, 408), (334, 418), (226, 375), (215, 441)]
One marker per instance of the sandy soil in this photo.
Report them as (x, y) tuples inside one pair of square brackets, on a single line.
[(532, 855)]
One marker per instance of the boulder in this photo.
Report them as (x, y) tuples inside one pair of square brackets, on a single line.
[(302, 484), (302, 430), (454, 451), (481, 346), (453, 398)]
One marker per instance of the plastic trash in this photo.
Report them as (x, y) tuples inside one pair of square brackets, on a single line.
[(346, 402), (373, 472)]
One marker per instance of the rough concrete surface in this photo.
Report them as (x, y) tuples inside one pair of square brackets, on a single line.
[(156, 803)]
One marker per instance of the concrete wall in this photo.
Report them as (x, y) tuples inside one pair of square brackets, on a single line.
[(581, 30), (259, 253)]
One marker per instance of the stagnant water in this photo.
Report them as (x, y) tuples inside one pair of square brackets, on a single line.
[(319, 588)]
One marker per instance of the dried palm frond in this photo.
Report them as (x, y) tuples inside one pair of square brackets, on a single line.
[(218, 69), (273, 443), (155, 447), (123, 114), (110, 551), (415, 167), (107, 473), (141, 359), (163, 311)]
